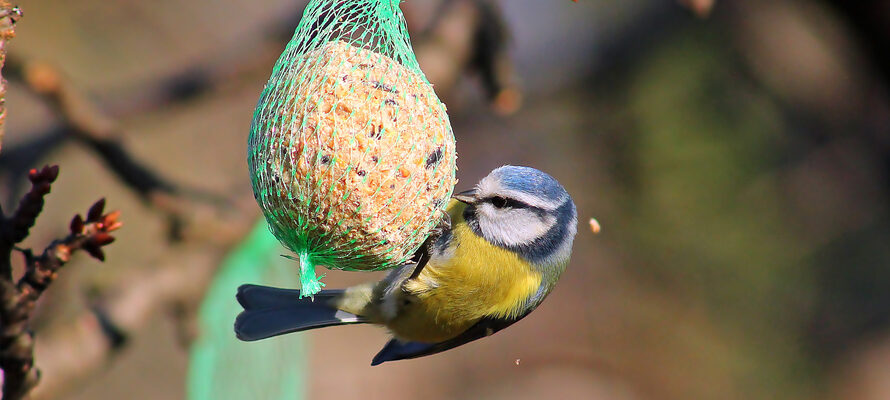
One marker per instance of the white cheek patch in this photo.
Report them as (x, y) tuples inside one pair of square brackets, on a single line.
[(512, 227)]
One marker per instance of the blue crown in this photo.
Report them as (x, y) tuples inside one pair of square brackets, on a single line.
[(531, 181)]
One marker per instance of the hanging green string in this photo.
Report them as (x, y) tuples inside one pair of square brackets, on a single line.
[(308, 281)]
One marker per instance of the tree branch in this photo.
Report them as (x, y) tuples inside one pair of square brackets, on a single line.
[(17, 301), (9, 15), (84, 122), (469, 36), (15, 228), (71, 353)]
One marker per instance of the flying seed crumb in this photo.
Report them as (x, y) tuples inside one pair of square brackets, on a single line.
[(595, 226)]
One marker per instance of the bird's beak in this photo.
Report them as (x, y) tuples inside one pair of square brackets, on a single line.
[(468, 196)]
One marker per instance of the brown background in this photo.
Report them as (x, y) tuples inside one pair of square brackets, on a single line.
[(737, 164)]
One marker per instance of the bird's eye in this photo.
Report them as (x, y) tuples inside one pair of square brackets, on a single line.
[(499, 202)]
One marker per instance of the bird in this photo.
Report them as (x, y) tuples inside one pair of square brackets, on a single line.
[(499, 253)]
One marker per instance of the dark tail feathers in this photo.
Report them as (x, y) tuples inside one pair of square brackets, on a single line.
[(272, 311)]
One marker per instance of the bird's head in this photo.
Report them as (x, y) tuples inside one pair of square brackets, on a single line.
[(523, 210)]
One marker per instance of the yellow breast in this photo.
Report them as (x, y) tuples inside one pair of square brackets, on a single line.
[(478, 280)]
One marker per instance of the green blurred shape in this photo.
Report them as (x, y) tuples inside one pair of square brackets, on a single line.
[(707, 211), (222, 367)]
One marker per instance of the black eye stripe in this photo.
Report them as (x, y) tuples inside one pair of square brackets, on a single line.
[(506, 202)]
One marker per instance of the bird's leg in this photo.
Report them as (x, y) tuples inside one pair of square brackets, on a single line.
[(424, 253)]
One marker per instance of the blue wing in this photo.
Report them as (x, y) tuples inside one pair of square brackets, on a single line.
[(398, 350)]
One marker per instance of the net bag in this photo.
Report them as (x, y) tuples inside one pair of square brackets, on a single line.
[(351, 153)]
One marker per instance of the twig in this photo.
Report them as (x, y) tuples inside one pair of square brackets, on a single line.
[(72, 352), (175, 283), (85, 123), (469, 36), (15, 228), (17, 301), (491, 59), (9, 15)]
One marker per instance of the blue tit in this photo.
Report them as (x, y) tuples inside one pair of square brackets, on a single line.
[(508, 242)]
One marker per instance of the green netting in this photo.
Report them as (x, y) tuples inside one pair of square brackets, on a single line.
[(351, 153)]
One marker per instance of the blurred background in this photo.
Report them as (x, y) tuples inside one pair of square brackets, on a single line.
[(736, 154)]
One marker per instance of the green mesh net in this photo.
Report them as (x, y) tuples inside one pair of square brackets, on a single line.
[(351, 153)]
